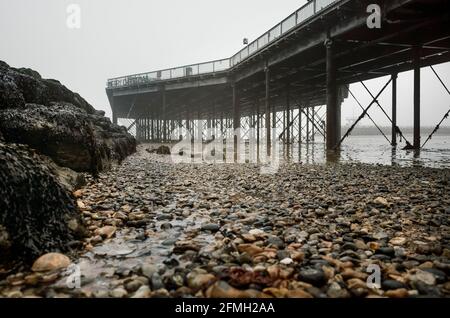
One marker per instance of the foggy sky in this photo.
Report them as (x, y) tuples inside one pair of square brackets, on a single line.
[(122, 37)]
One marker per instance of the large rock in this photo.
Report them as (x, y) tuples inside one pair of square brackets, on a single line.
[(27, 86), (67, 134), (48, 117), (10, 95), (35, 210)]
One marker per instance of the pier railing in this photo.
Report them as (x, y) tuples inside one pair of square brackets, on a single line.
[(298, 17)]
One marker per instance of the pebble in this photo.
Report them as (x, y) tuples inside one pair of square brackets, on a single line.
[(119, 292), (211, 227), (398, 241), (424, 277), (142, 292), (106, 231), (381, 201), (313, 276), (51, 262), (391, 284), (388, 251), (199, 281), (397, 293), (287, 261)]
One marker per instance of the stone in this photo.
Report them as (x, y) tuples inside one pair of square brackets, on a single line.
[(133, 285), (51, 262), (106, 231), (148, 270), (211, 227), (400, 241), (388, 251), (200, 281), (373, 245), (166, 226), (350, 273), (157, 282), (287, 261), (257, 232), (275, 241), (397, 293), (142, 292), (119, 292), (390, 284), (440, 276), (381, 201), (336, 291), (298, 256), (313, 276), (222, 289), (424, 277), (356, 283), (298, 293), (250, 249)]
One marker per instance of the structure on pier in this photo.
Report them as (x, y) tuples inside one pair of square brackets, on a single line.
[(285, 76)]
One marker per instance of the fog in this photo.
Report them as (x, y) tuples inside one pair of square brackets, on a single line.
[(119, 37)]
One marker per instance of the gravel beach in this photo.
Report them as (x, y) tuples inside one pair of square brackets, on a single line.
[(159, 229)]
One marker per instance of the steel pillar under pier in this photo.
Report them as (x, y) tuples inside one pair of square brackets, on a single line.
[(288, 119), (236, 122), (257, 130), (307, 125), (299, 126), (333, 105), (416, 62), (152, 129), (267, 111), (164, 119), (394, 110)]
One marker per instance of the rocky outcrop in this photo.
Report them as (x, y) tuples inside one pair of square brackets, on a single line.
[(21, 86), (37, 214), (67, 134), (59, 123), (48, 136)]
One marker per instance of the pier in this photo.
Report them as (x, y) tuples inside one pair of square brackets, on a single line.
[(279, 81)]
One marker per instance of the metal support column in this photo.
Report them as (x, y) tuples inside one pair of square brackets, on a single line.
[(236, 122), (394, 110), (288, 119), (307, 125), (416, 64), (164, 119), (333, 105), (257, 130), (267, 110)]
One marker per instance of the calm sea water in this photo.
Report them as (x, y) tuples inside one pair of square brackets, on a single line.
[(375, 149)]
